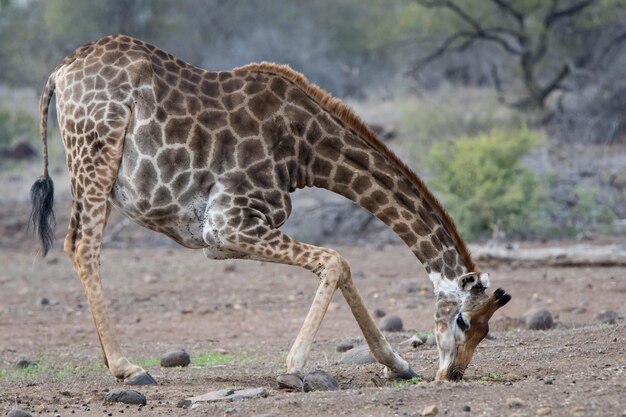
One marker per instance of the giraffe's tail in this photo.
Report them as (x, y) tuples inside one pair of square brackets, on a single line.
[(42, 191)]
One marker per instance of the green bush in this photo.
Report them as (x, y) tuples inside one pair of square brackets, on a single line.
[(484, 186), (588, 214), (17, 125)]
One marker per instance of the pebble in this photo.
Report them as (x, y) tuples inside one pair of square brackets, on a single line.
[(359, 355), (539, 319), (175, 358), (548, 381), (319, 380), (514, 402), (16, 412), (607, 317), (430, 410), (126, 396), (431, 340), (467, 408), (543, 411), (391, 323), (379, 312), (25, 363), (225, 395), (46, 301), (344, 346), (416, 340)]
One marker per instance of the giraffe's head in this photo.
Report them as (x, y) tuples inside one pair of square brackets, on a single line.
[(462, 320)]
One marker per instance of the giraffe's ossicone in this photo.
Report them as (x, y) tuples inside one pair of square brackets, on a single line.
[(210, 159)]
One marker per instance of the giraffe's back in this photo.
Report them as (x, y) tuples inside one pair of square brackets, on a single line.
[(190, 131)]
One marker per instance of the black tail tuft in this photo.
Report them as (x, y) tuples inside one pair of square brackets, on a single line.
[(42, 215)]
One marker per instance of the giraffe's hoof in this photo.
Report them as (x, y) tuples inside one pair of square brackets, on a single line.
[(290, 382), (143, 378), (407, 374)]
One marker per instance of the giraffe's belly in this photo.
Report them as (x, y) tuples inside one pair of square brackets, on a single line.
[(156, 207)]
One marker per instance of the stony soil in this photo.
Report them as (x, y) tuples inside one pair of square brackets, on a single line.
[(168, 298)]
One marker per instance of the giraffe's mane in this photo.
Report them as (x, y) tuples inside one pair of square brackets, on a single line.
[(345, 114)]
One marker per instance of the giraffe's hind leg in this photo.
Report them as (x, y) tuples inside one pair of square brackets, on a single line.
[(93, 161), (241, 232)]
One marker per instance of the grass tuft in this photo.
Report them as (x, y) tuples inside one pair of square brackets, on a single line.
[(216, 358), (405, 383)]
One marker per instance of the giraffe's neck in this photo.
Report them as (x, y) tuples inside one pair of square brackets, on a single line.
[(375, 179), (386, 192)]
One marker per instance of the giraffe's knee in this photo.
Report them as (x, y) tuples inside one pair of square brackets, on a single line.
[(337, 269)]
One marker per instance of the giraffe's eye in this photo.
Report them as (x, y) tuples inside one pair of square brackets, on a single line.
[(460, 321)]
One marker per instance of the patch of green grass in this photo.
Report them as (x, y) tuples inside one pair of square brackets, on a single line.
[(492, 378), (148, 362), (216, 358), (46, 370), (407, 382)]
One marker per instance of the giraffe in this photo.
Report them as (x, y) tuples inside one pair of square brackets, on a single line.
[(210, 159)]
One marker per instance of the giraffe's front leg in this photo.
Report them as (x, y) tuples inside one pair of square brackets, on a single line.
[(254, 238), (379, 346)]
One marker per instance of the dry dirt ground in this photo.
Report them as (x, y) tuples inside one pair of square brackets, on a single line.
[(165, 298)]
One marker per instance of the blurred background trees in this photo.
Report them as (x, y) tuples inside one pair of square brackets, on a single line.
[(452, 81)]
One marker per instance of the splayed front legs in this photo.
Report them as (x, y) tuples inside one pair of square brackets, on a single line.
[(253, 238)]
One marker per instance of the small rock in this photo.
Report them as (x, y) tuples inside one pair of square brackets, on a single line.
[(430, 410), (126, 396), (223, 395), (543, 411), (391, 323), (243, 394), (548, 381), (431, 340), (25, 363), (379, 312), (408, 287), (514, 402), (16, 412), (539, 319), (467, 408), (150, 279), (175, 358), (46, 301), (359, 355), (344, 346), (319, 380), (416, 340), (607, 317)]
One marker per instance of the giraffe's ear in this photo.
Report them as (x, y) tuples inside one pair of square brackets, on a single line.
[(474, 282)]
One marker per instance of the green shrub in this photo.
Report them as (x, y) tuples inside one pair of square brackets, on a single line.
[(484, 186), (588, 214), (17, 125)]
